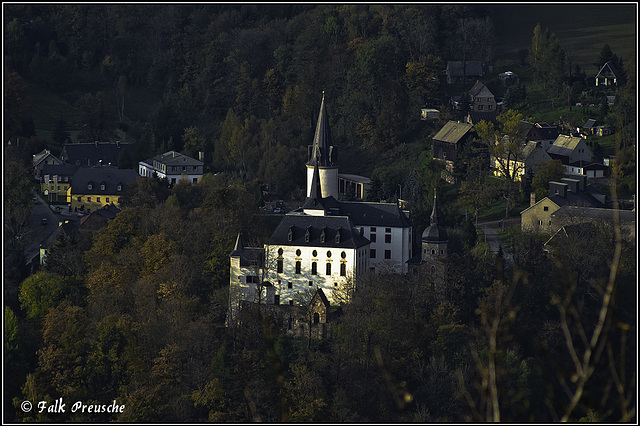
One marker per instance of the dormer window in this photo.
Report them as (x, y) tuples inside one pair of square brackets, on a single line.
[(119, 187), (102, 186), (338, 237), (290, 235), (323, 235), (307, 235), (90, 186)]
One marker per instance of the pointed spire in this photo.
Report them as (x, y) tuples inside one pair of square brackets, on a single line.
[(322, 142), (239, 247), (434, 212)]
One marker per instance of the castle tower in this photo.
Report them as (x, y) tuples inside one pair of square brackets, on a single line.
[(325, 155)]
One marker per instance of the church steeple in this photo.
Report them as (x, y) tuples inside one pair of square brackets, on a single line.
[(322, 149), (323, 155)]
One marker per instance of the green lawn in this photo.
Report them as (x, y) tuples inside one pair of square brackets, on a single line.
[(581, 36)]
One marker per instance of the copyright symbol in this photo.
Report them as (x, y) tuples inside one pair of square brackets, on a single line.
[(26, 406)]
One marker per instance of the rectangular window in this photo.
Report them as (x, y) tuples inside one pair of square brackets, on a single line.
[(387, 238), (289, 284), (373, 229), (387, 254), (314, 268), (276, 299), (79, 199), (372, 238), (343, 269), (328, 269), (298, 267), (373, 253), (310, 283), (88, 199), (107, 199), (252, 279), (280, 266), (387, 230), (98, 199), (546, 208)]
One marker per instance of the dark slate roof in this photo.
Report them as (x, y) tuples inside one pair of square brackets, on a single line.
[(322, 148), (59, 169), (249, 256), (594, 213), (110, 176), (584, 199), (68, 229), (174, 158), (477, 87), (452, 132), (590, 123), (477, 116), (548, 132), (375, 214), (298, 225), (91, 154), (37, 158)]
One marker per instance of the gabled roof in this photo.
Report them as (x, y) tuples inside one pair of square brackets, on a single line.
[(474, 117), (477, 88), (452, 132), (375, 214), (590, 123), (91, 154), (564, 145), (297, 229), (59, 169), (111, 177), (174, 158), (594, 213), (608, 68), (45, 153), (547, 131)]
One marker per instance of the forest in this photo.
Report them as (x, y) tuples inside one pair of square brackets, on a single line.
[(136, 312)]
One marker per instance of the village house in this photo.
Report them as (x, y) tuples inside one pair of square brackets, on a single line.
[(542, 133), (608, 76), (174, 167), (114, 154), (524, 163), (460, 72), (566, 192), (96, 187), (56, 180), (41, 159)]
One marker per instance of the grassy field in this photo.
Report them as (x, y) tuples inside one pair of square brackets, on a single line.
[(582, 29)]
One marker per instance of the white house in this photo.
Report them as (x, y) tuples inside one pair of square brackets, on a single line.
[(173, 166), (570, 149), (324, 245)]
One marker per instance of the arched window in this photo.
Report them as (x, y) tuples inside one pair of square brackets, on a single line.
[(328, 268), (316, 318), (433, 252), (314, 268), (343, 269)]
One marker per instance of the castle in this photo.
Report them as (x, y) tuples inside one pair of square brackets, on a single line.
[(319, 251)]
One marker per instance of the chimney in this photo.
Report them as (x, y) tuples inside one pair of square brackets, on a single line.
[(532, 199), (572, 184), (558, 188)]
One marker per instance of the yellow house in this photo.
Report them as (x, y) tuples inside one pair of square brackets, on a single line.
[(55, 181), (96, 187), (538, 217)]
